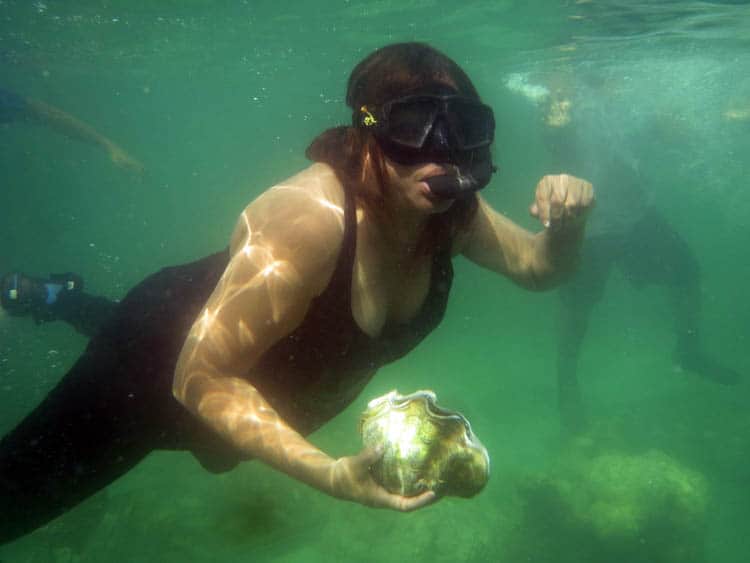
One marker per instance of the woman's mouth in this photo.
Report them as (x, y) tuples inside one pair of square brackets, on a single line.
[(437, 171)]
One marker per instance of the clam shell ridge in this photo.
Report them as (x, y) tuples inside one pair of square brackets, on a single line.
[(426, 447)]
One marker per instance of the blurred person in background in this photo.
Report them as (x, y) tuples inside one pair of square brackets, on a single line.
[(17, 108), (627, 232)]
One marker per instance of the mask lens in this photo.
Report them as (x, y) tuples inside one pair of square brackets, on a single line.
[(410, 121), (472, 123), (424, 128)]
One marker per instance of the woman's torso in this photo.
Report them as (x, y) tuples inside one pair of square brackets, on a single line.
[(369, 314), (374, 310)]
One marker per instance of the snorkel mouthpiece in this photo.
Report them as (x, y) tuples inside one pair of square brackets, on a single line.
[(452, 186), (469, 178)]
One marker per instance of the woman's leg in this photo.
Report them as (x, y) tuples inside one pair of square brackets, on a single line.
[(78, 440), (113, 407)]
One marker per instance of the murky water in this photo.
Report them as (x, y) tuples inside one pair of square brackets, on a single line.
[(649, 100)]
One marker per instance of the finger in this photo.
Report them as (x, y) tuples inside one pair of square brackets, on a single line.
[(558, 195), (579, 199), (572, 205), (420, 501), (587, 196), (370, 456), (541, 200), (404, 504)]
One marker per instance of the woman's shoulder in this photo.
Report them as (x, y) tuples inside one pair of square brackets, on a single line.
[(304, 211), (317, 185)]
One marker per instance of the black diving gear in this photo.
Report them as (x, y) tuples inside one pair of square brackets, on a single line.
[(22, 295), (467, 123), (436, 128), (60, 296)]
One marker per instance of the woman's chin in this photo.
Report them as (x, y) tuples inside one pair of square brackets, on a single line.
[(439, 205)]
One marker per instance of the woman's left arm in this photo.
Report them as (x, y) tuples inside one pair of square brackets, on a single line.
[(540, 260)]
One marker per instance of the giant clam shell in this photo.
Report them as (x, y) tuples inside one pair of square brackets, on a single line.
[(426, 447)]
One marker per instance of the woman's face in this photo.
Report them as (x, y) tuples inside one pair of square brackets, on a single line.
[(409, 189)]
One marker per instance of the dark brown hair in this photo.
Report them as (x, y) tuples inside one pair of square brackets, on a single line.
[(387, 73)]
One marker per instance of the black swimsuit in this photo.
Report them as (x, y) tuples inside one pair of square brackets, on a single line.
[(317, 370), (115, 405)]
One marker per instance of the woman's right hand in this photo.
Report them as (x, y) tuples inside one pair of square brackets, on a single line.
[(351, 480)]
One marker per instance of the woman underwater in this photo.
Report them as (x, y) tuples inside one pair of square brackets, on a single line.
[(330, 274)]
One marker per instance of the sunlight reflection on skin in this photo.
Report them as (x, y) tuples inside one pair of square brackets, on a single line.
[(283, 252), (270, 272), (261, 296)]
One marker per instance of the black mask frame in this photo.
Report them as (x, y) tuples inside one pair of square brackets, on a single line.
[(449, 123), (423, 128)]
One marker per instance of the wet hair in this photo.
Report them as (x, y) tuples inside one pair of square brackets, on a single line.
[(401, 69), (390, 72)]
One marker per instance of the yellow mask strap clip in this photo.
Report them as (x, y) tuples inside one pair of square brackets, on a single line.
[(369, 119)]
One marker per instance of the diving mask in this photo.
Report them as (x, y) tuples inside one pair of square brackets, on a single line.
[(436, 128)]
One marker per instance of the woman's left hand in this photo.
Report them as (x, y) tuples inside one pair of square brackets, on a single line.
[(562, 202)]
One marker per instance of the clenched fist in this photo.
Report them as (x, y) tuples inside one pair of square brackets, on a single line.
[(562, 202)]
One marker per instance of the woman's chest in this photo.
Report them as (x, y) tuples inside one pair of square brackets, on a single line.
[(387, 291)]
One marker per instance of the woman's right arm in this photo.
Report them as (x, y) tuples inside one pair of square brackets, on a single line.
[(283, 253)]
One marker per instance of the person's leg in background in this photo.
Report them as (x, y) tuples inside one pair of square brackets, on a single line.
[(59, 297), (660, 255), (577, 299)]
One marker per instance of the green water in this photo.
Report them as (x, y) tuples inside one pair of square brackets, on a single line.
[(219, 101)]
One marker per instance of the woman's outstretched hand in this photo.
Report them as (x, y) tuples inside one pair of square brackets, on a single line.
[(562, 202), (351, 480)]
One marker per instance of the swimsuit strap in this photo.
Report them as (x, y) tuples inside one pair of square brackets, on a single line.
[(339, 289)]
